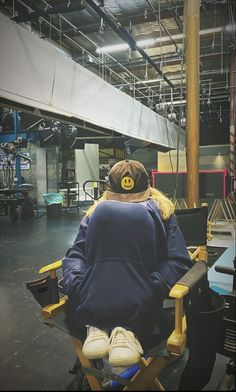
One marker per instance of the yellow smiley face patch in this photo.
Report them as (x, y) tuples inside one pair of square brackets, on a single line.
[(127, 183)]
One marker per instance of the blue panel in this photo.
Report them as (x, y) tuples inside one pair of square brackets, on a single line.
[(7, 137), (10, 137)]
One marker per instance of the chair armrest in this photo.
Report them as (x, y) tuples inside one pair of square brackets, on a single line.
[(53, 266), (189, 280), (178, 291), (50, 311), (177, 340)]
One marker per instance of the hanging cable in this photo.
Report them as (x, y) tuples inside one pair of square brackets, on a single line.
[(60, 29), (50, 27), (179, 124), (162, 84), (222, 50), (101, 27), (13, 8), (157, 15)]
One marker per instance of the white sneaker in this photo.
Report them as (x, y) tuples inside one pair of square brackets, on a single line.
[(96, 344), (124, 348)]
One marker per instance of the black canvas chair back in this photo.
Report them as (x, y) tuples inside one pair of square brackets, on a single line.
[(193, 224), (45, 290)]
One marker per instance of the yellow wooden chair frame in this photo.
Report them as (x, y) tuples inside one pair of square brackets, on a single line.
[(150, 368)]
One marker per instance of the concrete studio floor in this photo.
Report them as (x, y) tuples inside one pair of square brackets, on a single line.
[(32, 355)]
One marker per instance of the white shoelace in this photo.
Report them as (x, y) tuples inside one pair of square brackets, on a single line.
[(120, 337), (95, 334)]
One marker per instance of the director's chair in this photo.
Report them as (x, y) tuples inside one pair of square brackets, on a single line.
[(166, 349)]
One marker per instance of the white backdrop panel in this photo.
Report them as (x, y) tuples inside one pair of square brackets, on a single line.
[(35, 73)]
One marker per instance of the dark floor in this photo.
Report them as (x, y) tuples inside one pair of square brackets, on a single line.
[(33, 356)]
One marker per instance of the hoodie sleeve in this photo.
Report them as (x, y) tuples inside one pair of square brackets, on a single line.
[(73, 263), (174, 260)]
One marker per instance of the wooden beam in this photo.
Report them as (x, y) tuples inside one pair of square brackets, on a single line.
[(192, 44)]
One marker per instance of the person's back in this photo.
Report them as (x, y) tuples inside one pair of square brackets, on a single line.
[(121, 252), (120, 230)]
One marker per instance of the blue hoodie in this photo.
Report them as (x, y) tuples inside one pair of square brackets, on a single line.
[(122, 265)]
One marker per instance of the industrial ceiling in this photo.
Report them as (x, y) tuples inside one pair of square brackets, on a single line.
[(138, 47)]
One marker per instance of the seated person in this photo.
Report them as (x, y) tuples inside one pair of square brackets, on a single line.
[(127, 255)]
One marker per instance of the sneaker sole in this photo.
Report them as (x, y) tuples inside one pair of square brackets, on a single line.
[(98, 355), (125, 362)]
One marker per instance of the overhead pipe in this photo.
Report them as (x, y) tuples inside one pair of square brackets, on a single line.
[(77, 44), (178, 50), (209, 31), (175, 15), (65, 8), (192, 50), (166, 39), (183, 101), (161, 39), (166, 60), (127, 37)]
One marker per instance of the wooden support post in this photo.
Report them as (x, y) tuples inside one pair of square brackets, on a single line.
[(191, 19)]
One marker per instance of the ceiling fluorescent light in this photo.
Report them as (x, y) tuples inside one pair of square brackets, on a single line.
[(123, 47), (148, 81), (146, 42), (112, 48)]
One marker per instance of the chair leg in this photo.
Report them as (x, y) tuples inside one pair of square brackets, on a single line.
[(94, 383), (155, 384), (76, 367), (147, 376)]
